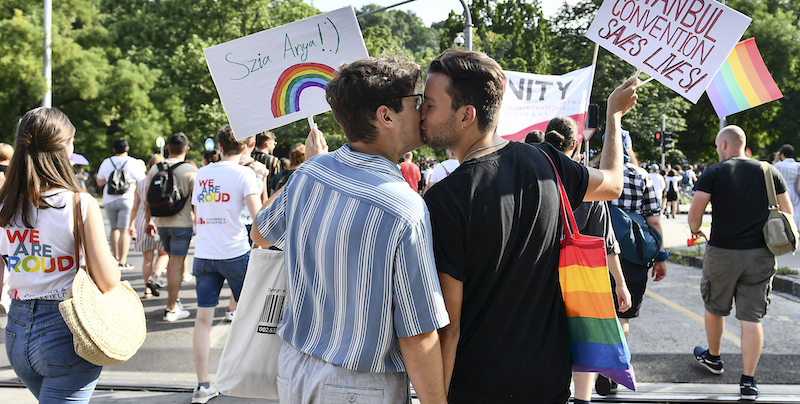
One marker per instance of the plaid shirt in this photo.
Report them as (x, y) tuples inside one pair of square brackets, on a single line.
[(638, 194)]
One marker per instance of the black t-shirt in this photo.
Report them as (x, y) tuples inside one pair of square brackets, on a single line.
[(739, 203), (594, 219), (496, 228)]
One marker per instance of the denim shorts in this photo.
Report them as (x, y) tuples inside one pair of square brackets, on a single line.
[(39, 348), (303, 378), (119, 213), (210, 274), (741, 275), (175, 240)]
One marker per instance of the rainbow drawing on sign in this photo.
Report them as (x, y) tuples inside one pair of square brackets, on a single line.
[(286, 96), (742, 82)]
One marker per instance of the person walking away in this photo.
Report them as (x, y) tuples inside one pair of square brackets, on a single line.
[(363, 305), (410, 171), (737, 265), (496, 235), (789, 169), (221, 190), (120, 173), (175, 230), (264, 147), (659, 184), (673, 184), (37, 216), (146, 244)]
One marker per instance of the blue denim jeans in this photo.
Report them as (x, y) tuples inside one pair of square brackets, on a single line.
[(39, 348), (210, 274)]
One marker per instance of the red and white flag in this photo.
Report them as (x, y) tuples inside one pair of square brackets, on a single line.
[(532, 100)]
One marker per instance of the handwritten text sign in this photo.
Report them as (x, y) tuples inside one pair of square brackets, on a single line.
[(278, 76), (682, 43), (530, 101)]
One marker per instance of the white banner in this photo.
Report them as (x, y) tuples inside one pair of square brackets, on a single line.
[(278, 76), (531, 100), (682, 43)]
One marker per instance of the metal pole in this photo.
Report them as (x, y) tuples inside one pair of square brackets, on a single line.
[(47, 100), (663, 130), (723, 122), (467, 26)]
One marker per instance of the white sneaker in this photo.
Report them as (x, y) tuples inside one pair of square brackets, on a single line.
[(178, 313), (159, 281), (187, 277), (202, 395), (228, 315)]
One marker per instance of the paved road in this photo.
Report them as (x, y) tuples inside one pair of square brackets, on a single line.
[(661, 339)]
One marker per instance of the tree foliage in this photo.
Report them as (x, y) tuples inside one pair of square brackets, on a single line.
[(135, 68)]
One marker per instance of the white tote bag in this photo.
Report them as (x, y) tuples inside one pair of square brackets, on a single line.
[(249, 363)]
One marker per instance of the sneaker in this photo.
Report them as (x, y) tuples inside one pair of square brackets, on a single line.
[(604, 386), (178, 313), (749, 390), (714, 366), (187, 277), (202, 394), (159, 281), (228, 315)]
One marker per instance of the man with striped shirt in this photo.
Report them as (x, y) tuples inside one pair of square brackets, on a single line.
[(363, 302)]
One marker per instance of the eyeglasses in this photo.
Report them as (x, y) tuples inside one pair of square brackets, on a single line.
[(420, 99)]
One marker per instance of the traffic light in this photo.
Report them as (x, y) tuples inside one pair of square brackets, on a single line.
[(657, 139), (594, 116), (668, 142)]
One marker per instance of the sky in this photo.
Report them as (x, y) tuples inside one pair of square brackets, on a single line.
[(429, 11)]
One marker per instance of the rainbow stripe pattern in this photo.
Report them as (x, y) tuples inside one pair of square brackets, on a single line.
[(597, 342), (286, 96), (742, 82)]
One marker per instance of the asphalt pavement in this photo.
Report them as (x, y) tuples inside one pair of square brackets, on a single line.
[(661, 342)]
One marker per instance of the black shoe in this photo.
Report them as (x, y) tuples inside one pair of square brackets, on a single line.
[(749, 390), (604, 386), (153, 289), (714, 366)]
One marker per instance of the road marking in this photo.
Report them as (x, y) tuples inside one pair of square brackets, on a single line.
[(688, 313)]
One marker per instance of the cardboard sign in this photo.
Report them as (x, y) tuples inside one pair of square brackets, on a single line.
[(530, 101), (278, 76), (681, 43)]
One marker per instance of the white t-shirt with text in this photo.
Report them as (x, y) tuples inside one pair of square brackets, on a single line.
[(218, 197)]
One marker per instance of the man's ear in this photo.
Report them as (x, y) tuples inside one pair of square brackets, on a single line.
[(384, 117), (467, 115)]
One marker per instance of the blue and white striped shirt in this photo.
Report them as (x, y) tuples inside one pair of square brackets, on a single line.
[(359, 261)]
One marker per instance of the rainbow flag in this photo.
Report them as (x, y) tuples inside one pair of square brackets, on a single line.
[(742, 82)]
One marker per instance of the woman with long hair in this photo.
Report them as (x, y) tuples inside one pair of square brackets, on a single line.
[(36, 213), (145, 243)]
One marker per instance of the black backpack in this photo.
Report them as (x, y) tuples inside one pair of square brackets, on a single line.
[(118, 181), (164, 195)]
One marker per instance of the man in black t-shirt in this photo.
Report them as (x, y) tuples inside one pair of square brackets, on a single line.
[(737, 264), (496, 232)]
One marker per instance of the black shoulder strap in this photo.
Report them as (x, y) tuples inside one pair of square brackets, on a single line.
[(172, 168), (112, 163)]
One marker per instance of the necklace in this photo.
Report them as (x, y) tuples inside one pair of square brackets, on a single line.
[(483, 148)]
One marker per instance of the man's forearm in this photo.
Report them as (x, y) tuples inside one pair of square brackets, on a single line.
[(422, 355)]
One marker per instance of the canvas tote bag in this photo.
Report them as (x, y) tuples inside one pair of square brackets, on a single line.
[(596, 340), (249, 363), (780, 232)]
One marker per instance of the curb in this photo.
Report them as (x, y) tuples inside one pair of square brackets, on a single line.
[(780, 283)]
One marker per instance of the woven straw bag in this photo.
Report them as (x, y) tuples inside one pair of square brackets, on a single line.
[(107, 328)]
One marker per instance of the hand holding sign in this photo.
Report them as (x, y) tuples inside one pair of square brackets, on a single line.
[(623, 98)]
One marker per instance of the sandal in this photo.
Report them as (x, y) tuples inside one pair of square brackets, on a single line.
[(151, 289)]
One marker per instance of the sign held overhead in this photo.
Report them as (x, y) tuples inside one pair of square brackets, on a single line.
[(681, 43)]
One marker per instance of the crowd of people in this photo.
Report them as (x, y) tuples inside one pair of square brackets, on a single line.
[(456, 291)]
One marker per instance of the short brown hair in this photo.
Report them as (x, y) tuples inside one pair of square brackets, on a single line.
[(477, 80), (227, 141), (297, 154), (262, 138), (360, 87)]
